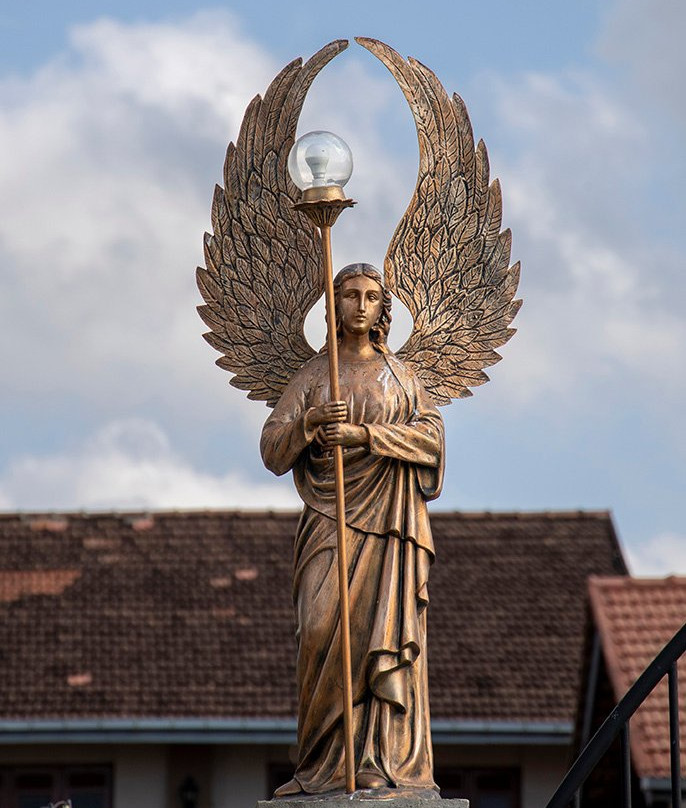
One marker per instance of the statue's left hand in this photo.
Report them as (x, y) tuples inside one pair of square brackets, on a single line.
[(350, 435)]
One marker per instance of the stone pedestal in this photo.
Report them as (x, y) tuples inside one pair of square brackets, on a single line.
[(370, 799)]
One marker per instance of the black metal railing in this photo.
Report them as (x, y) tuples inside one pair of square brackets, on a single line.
[(665, 663)]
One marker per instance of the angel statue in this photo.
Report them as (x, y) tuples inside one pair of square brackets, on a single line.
[(448, 262)]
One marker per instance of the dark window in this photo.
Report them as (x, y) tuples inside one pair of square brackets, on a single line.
[(38, 786), (484, 788)]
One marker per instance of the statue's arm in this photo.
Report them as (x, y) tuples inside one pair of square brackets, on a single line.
[(420, 440), (287, 431)]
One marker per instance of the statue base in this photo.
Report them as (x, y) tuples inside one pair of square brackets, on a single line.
[(381, 798)]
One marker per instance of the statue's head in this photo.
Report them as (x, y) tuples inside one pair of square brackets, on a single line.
[(378, 333)]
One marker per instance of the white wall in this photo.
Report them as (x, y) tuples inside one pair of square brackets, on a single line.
[(140, 777), (240, 776), (544, 767)]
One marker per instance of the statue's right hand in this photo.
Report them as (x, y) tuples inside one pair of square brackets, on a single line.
[(333, 412)]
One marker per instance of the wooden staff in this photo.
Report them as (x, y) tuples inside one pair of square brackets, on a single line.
[(332, 345)]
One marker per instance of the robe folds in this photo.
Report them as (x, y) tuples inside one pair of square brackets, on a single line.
[(390, 550)]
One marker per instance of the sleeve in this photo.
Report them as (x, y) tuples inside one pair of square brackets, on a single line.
[(284, 435), (419, 440)]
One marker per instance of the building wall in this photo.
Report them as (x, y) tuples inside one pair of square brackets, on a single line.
[(139, 773), (541, 767), (140, 777), (545, 766), (149, 775), (240, 775)]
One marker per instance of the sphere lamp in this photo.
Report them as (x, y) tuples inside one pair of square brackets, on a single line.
[(320, 163)]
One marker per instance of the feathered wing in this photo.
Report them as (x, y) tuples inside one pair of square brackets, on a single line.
[(263, 260), (448, 262)]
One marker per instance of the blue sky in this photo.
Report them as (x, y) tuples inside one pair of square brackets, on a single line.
[(524, 35), (114, 117)]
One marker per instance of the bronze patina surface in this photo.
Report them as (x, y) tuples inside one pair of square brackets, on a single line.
[(448, 262), (392, 439)]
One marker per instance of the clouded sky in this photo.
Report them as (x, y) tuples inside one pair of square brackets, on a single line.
[(114, 119)]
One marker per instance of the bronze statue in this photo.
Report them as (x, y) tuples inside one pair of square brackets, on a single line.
[(449, 263), (392, 436)]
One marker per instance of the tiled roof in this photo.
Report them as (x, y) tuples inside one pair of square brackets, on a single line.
[(189, 614), (635, 618)]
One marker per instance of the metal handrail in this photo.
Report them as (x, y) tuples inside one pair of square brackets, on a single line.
[(664, 663)]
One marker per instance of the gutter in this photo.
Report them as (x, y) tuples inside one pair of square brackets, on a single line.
[(518, 733), (256, 731), (658, 789)]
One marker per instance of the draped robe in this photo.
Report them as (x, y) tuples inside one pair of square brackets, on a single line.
[(390, 550)]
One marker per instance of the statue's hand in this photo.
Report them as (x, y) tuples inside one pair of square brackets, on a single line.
[(332, 412), (342, 435)]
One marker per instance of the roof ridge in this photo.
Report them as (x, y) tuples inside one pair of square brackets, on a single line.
[(614, 581), (524, 513)]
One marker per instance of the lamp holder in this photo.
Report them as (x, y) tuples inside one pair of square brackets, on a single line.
[(323, 211)]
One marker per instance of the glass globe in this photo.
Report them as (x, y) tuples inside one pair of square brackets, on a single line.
[(320, 159)]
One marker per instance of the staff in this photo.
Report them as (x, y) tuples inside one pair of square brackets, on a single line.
[(320, 164)]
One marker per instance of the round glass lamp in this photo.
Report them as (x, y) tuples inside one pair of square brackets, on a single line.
[(320, 164)]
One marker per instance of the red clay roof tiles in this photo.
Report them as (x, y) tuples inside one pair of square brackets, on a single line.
[(190, 614), (635, 618)]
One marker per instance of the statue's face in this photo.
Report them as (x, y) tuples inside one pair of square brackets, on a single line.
[(360, 304)]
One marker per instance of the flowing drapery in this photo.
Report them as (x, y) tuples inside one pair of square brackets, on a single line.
[(389, 551)]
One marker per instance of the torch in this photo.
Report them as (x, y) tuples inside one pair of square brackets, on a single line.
[(320, 164)]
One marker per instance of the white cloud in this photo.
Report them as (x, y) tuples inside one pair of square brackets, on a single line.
[(130, 464), (664, 554), (115, 149), (601, 290), (104, 206), (202, 72)]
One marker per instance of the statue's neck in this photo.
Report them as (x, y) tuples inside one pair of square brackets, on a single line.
[(356, 347)]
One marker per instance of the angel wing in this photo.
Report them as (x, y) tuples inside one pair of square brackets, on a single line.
[(448, 262), (263, 260)]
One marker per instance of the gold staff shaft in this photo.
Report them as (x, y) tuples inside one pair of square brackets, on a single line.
[(332, 345)]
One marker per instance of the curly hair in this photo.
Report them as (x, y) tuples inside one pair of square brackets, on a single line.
[(378, 333)]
